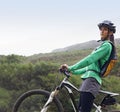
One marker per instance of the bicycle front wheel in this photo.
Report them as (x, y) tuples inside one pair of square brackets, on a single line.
[(34, 100)]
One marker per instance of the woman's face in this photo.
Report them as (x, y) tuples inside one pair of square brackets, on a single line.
[(104, 33)]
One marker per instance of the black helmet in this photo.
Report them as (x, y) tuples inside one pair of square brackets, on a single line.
[(107, 24)]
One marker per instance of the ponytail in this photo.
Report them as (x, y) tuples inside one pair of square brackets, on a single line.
[(112, 39)]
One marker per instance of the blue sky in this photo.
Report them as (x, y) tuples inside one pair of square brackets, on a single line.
[(30, 27)]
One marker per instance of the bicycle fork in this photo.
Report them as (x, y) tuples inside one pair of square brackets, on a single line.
[(49, 101)]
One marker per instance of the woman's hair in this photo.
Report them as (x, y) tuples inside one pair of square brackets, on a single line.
[(112, 39)]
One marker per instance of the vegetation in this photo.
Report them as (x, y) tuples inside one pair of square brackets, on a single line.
[(19, 74)]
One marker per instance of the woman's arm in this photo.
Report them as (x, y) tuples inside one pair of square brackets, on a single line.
[(102, 51)]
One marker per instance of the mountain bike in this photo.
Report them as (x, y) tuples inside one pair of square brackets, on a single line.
[(45, 101)]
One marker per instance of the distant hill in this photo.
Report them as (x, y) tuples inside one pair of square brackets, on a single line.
[(78, 50), (86, 45)]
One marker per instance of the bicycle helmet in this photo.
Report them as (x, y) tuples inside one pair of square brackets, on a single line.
[(107, 24)]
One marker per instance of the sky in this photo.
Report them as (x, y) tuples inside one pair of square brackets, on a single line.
[(30, 27)]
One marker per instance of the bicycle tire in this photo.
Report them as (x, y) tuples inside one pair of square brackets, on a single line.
[(38, 92)]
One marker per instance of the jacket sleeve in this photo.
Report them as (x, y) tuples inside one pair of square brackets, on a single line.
[(102, 51), (79, 71)]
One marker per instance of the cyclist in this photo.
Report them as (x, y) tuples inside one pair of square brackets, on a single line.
[(91, 80)]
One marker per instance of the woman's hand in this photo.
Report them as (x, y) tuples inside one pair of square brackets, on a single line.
[(64, 67)]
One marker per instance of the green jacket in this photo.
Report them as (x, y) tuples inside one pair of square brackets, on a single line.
[(83, 67)]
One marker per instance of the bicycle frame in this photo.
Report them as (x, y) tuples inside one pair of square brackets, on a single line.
[(65, 83)]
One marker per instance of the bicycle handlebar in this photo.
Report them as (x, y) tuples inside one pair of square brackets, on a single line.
[(65, 72)]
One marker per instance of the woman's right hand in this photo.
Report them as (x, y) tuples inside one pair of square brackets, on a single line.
[(64, 67)]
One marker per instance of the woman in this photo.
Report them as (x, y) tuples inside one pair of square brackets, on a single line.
[(87, 67)]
